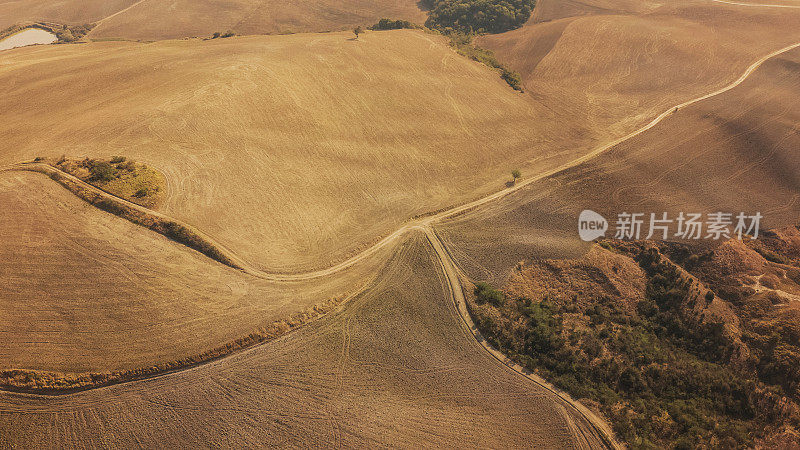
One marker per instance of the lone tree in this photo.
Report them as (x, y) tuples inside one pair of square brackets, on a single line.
[(516, 174), (358, 30)]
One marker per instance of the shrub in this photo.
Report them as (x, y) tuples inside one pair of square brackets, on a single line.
[(387, 24), (141, 193), (101, 171), (129, 165), (512, 78), (485, 293), (117, 159)]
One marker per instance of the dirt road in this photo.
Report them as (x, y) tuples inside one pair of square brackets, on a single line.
[(432, 219), (599, 433)]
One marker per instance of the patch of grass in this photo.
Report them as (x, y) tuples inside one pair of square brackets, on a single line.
[(484, 293)]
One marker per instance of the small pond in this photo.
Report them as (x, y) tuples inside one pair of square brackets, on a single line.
[(29, 36)]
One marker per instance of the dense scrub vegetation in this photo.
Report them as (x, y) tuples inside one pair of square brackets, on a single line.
[(124, 178), (71, 33), (663, 375), (478, 16), (219, 35)]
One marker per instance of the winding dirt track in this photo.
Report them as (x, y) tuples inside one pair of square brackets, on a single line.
[(453, 275), (432, 219), (598, 428), (448, 266)]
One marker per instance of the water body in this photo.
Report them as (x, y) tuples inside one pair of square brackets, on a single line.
[(29, 36)]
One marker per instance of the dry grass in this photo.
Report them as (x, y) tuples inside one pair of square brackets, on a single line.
[(44, 382), (615, 65), (735, 152)]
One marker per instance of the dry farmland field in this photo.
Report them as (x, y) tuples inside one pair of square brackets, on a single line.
[(339, 256)]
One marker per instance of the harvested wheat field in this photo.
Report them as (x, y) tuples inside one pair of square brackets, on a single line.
[(293, 151), (152, 19), (733, 152), (616, 69), (394, 367), (71, 12), (310, 270), (85, 291)]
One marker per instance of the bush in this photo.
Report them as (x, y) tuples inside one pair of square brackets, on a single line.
[(101, 171), (484, 293), (512, 78), (129, 165), (387, 24), (117, 159), (141, 193)]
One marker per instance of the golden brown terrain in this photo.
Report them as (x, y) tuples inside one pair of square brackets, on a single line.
[(732, 152), (70, 12), (332, 142), (86, 291), (614, 65), (395, 367), (155, 19), (152, 19), (296, 152)]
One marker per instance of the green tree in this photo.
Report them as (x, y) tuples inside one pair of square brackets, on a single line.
[(516, 174), (358, 30)]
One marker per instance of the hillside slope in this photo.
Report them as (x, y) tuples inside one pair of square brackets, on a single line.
[(393, 368), (735, 152), (294, 151), (83, 290)]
